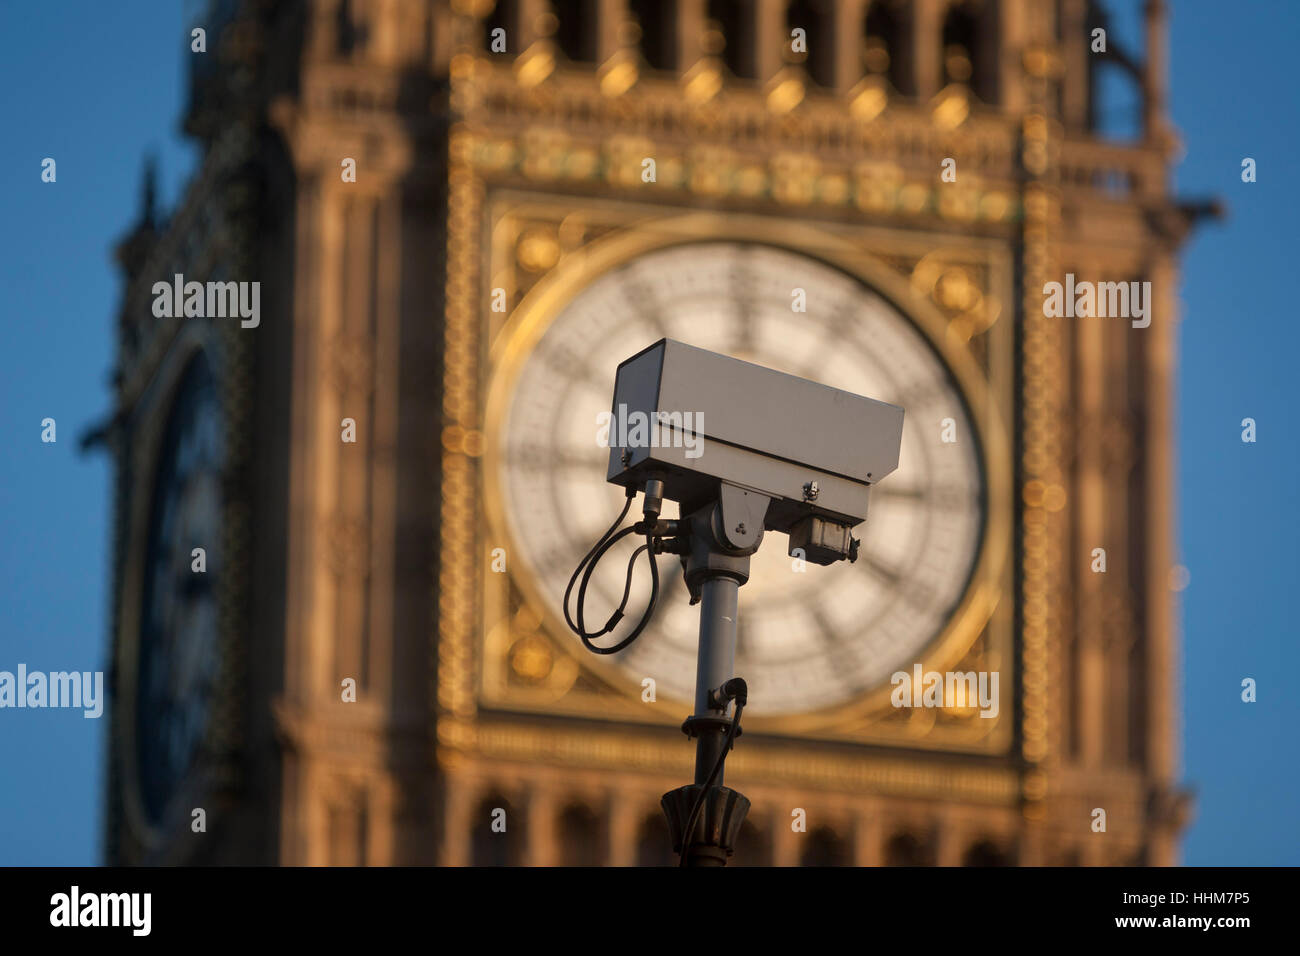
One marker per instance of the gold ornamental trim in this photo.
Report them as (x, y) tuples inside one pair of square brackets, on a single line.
[(1043, 491), (772, 764), (542, 304)]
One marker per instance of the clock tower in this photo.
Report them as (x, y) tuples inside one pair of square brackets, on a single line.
[(462, 215)]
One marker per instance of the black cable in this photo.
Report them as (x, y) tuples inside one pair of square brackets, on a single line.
[(587, 636), (627, 506), (586, 580), (689, 832), (589, 562)]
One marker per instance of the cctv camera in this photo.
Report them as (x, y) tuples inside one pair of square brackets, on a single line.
[(695, 420)]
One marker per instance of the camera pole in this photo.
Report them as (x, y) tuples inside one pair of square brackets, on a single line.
[(714, 666), (719, 541)]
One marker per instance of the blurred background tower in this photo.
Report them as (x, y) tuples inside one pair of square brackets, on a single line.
[(540, 189)]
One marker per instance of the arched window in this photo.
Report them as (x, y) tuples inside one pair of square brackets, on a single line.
[(964, 59), (753, 846), (654, 845), (504, 16), (581, 835), (348, 824), (658, 22), (985, 853), (817, 19), (576, 33), (489, 844), (904, 849), (884, 44), (735, 18), (825, 847), (1115, 96), (350, 29)]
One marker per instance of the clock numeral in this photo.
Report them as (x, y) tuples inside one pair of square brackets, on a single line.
[(570, 364), (843, 660), (641, 300), (935, 497), (890, 576), (530, 458)]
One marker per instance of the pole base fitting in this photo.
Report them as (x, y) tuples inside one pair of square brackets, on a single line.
[(692, 726), (716, 828)]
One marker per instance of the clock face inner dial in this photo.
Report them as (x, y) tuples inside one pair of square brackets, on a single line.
[(179, 648), (807, 639)]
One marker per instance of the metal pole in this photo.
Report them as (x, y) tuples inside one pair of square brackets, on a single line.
[(702, 820), (714, 666)]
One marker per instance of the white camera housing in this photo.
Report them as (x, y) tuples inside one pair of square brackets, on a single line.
[(707, 418)]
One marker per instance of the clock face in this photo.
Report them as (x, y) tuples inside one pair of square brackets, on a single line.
[(808, 638), (178, 651)]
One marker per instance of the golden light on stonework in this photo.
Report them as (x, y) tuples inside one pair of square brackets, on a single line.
[(868, 99), (994, 205), (920, 721), (1041, 61), (955, 291), (702, 81), (1035, 785), (572, 231), (786, 93), (672, 171), (584, 162), (498, 154), (957, 63), (913, 198), (618, 75), (951, 107), (526, 620), (534, 667), (1034, 129), (750, 181), (535, 64), (1041, 494), (711, 170), (959, 200), (531, 658), (537, 250), (963, 702), (965, 327), (878, 185), (875, 55), (833, 188), (546, 152), (952, 289), (625, 157), (464, 441), (347, 550), (350, 364), (794, 177)]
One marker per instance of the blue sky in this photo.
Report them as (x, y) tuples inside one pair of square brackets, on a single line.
[(1233, 97), (97, 86)]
